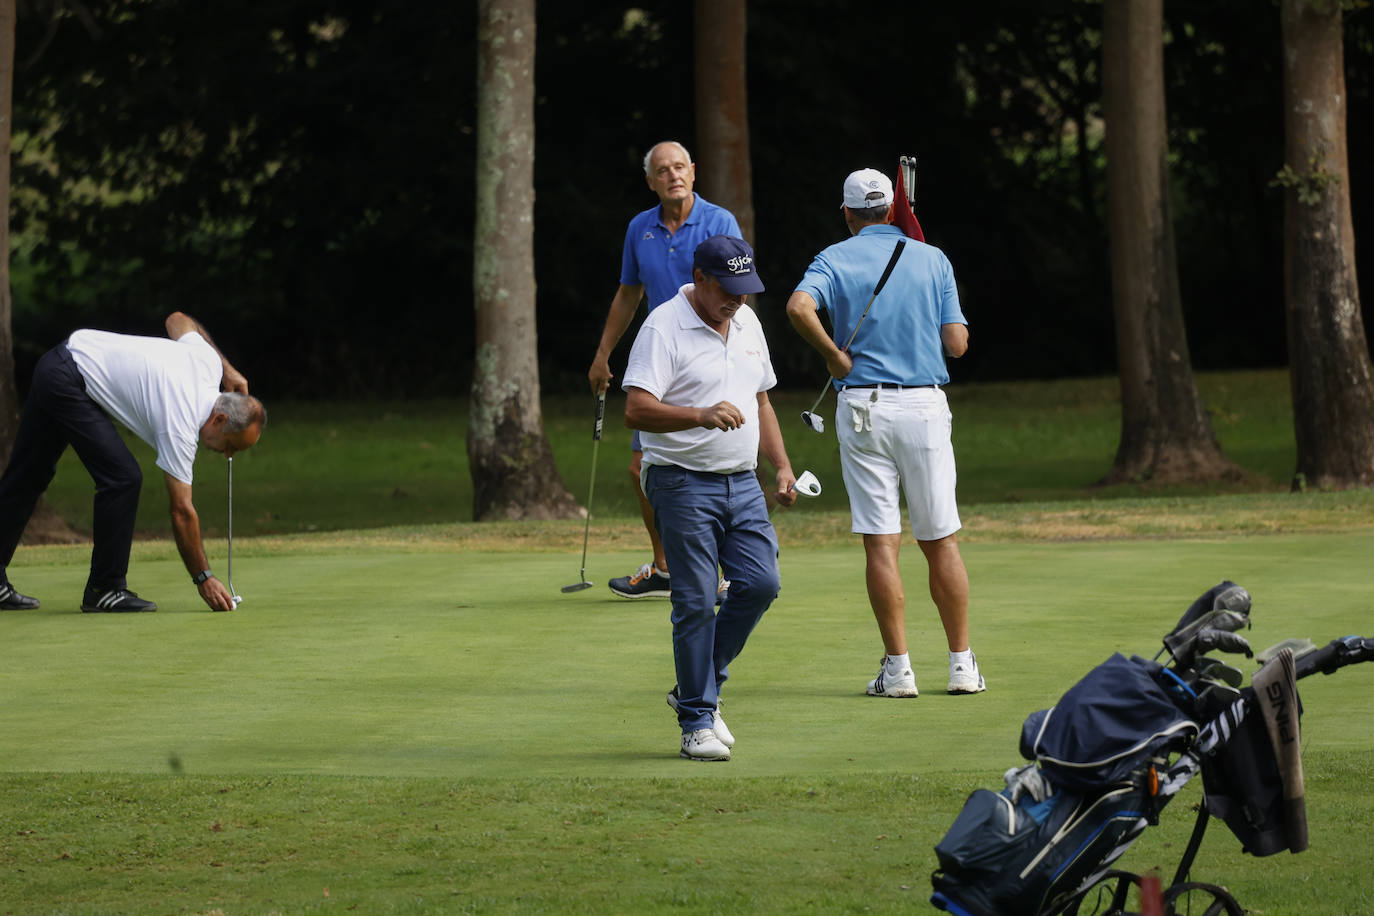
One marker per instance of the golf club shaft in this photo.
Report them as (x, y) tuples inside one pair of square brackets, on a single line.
[(591, 486), (820, 397), (229, 562), (908, 164)]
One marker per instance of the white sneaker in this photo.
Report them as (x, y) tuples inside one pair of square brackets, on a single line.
[(891, 683), (703, 744), (717, 723), (965, 679)]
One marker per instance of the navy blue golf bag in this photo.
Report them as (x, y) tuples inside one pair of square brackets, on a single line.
[(1116, 748), (1101, 752)]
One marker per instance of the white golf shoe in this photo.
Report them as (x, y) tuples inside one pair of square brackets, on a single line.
[(717, 723), (893, 683), (965, 678), (703, 744)]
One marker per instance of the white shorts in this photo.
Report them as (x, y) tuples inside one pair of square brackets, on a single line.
[(898, 439)]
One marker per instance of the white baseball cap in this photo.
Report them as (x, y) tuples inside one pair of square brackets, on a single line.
[(866, 189)]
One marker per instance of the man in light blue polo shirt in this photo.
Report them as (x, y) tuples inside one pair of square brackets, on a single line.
[(656, 260), (891, 417)]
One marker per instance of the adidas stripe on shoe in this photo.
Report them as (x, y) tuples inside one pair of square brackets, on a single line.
[(114, 601), (891, 683), (11, 600)]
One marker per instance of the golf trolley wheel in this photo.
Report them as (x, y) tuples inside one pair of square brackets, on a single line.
[(1193, 898)]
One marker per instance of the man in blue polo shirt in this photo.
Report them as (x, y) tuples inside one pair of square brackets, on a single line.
[(891, 417), (657, 260)]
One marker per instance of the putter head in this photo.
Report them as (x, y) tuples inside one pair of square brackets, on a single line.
[(577, 586), (238, 599), (807, 484), (814, 420)]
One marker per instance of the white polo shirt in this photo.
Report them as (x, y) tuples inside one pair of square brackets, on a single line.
[(681, 361), (164, 390)]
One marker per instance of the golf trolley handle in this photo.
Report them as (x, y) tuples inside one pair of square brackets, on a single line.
[(1338, 653)]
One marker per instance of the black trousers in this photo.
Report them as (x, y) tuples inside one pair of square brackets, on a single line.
[(59, 413)]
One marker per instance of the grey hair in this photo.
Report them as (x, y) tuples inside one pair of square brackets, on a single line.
[(241, 411), (650, 153), (870, 214)]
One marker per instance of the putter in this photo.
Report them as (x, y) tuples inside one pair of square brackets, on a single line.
[(591, 489), (812, 419), (229, 562), (805, 485)]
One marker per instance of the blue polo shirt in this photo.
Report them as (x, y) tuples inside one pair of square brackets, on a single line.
[(899, 341), (662, 262)]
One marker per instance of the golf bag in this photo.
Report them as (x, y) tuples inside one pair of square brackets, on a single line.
[(1057, 827), (1111, 754)]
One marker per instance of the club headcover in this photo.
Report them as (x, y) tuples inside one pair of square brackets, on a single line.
[(814, 420)]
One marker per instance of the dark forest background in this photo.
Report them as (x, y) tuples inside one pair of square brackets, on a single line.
[(299, 174)]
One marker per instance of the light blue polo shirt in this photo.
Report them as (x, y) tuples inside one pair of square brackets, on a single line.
[(661, 262), (899, 341)]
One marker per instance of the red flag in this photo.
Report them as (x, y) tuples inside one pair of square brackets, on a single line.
[(902, 216)]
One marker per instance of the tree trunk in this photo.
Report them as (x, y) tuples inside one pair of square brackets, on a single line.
[(9, 395), (512, 467), (722, 109), (1329, 366), (46, 526), (1165, 432)]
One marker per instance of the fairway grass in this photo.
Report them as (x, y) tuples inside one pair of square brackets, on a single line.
[(419, 721)]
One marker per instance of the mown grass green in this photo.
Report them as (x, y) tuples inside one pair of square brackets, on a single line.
[(407, 715), (414, 726)]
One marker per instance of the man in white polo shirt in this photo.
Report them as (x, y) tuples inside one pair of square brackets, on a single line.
[(167, 391), (696, 387)]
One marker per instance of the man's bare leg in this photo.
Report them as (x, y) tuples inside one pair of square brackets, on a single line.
[(949, 588), (885, 592)]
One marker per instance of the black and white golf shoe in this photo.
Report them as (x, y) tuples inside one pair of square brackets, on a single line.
[(114, 601), (10, 600)]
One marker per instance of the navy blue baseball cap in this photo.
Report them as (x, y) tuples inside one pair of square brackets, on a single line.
[(731, 262)]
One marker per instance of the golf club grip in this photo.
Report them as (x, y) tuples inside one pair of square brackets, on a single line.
[(1334, 655), (908, 165), (891, 264), (600, 416)]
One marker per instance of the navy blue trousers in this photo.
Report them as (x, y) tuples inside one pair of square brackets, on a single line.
[(704, 520), (59, 413)]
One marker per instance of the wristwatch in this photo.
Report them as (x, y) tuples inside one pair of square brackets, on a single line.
[(201, 577)]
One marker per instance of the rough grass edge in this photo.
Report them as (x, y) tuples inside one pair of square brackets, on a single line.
[(1079, 520)]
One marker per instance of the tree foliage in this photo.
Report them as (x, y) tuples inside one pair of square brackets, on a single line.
[(300, 172)]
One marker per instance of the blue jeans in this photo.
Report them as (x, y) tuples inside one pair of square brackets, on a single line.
[(708, 520)]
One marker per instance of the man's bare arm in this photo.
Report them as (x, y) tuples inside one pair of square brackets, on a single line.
[(801, 311), (179, 324), (770, 443), (186, 531), (648, 414), (622, 312)]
